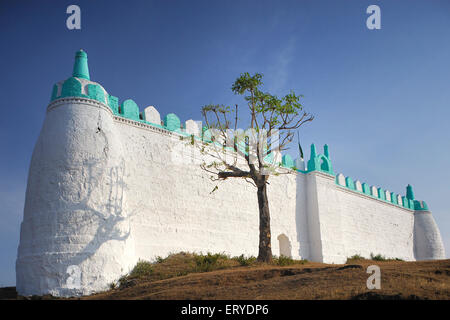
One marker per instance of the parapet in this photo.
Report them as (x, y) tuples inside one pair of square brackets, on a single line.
[(407, 202), (80, 85)]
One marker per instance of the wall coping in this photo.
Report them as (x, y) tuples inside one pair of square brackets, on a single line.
[(146, 126), (161, 130), (80, 100), (362, 195), (320, 173), (157, 129)]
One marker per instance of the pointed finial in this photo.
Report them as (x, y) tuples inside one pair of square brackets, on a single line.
[(313, 151), (409, 192), (325, 151), (80, 67)]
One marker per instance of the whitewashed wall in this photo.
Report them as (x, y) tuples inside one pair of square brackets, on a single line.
[(169, 198), (105, 191), (428, 243), (323, 221), (352, 223), (75, 236)]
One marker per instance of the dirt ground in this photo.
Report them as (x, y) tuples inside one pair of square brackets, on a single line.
[(399, 280)]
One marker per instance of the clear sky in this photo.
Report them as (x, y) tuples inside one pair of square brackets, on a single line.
[(381, 98)]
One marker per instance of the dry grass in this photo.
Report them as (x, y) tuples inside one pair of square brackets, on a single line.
[(296, 280), (181, 264), (190, 276)]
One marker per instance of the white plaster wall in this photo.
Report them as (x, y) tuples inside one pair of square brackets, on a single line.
[(427, 238), (73, 216), (174, 210), (313, 219), (352, 223), (103, 192), (328, 233)]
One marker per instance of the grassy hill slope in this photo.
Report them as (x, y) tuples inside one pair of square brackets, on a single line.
[(190, 276)]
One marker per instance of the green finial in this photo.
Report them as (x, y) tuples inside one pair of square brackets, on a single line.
[(320, 162), (409, 192), (80, 68), (326, 152), (313, 151)]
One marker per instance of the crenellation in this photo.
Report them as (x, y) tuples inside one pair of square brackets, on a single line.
[(193, 127), (340, 179), (287, 161), (113, 103), (366, 188), (172, 122), (349, 183), (381, 193), (95, 92), (72, 88), (405, 203), (378, 193), (374, 191), (129, 109), (387, 195), (399, 200), (358, 186), (420, 205), (152, 115), (394, 198)]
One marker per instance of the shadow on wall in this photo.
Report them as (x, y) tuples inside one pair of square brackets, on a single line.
[(89, 228), (102, 187), (106, 224), (109, 215), (301, 221)]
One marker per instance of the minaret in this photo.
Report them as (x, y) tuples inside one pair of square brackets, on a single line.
[(80, 67)]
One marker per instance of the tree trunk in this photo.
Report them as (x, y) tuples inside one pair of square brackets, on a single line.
[(265, 248)]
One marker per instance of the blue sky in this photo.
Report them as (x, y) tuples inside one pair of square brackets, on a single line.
[(381, 98)]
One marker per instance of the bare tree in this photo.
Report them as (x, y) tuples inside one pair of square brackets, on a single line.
[(273, 122)]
